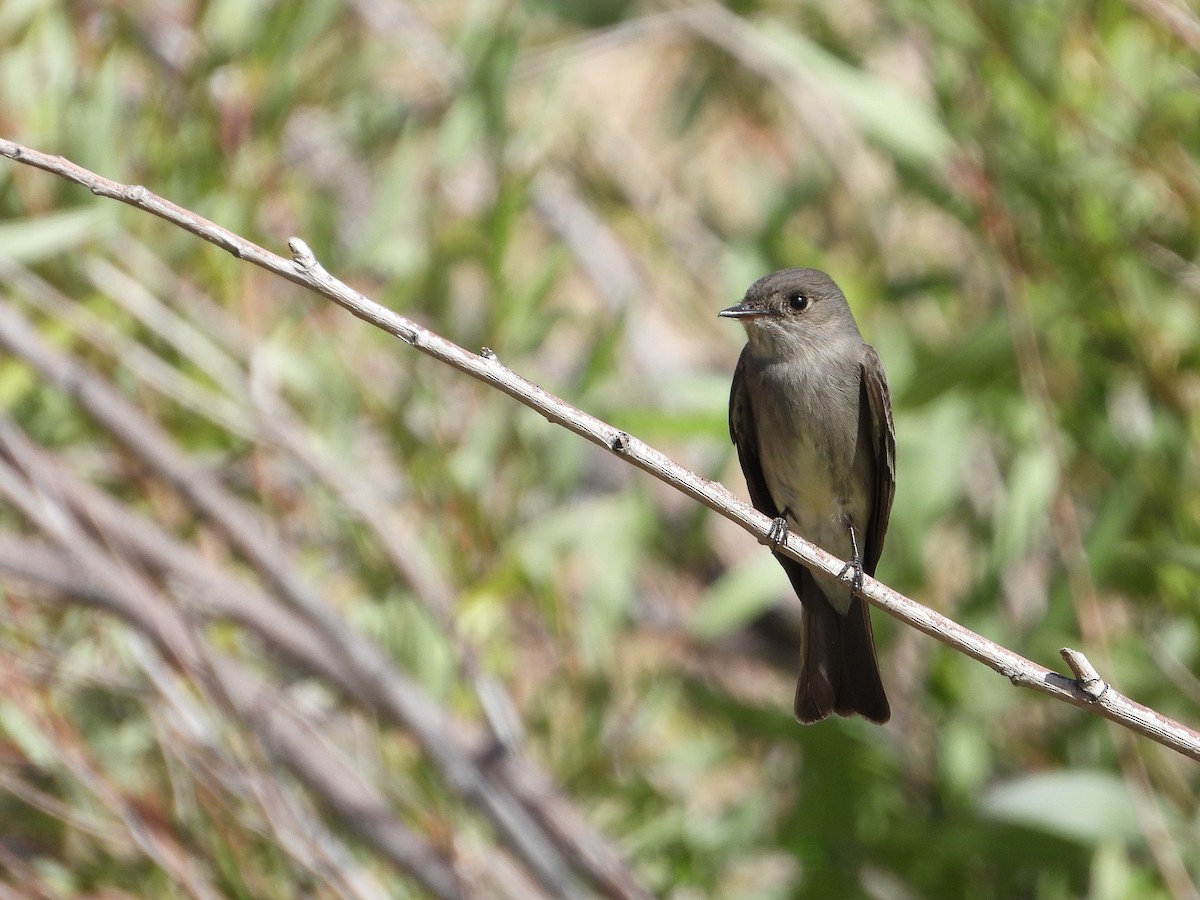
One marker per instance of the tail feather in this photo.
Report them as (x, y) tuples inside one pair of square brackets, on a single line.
[(839, 672)]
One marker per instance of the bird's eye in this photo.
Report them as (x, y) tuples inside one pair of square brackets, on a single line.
[(798, 302)]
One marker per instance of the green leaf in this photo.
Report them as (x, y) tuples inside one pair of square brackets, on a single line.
[(737, 597), (30, 241), (1089, 807), (886, 112)]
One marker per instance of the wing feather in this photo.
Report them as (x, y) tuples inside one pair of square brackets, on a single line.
[(882, 433)]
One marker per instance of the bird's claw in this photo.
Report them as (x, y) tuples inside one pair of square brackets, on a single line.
[(778, 532), (856, 578), (855, 565)]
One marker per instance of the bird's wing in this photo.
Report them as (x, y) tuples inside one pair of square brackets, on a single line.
[(745, 437), (882, 435)]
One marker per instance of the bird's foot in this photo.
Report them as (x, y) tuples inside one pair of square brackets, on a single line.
[(855, 570), (778, 533), (855, 566)]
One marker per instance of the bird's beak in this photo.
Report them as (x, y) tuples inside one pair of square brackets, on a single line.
[(741, 311)]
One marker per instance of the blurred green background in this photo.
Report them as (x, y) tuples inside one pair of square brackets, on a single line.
[(1008, 193)]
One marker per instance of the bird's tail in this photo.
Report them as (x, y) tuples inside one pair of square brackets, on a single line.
[(839, 672)]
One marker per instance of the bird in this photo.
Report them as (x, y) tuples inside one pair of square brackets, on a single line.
[(810, 415)]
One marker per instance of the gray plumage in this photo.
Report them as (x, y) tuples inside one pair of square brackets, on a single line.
[(811, 417)]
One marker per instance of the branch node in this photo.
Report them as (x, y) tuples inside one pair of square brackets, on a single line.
[(1086, 677), (302, 256), (619, 443), (488, 353), (136, 193)]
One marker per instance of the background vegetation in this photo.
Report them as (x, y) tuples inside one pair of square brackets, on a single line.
[(1009, 193)]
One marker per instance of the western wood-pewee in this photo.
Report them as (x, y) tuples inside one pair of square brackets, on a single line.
[(811, 417)]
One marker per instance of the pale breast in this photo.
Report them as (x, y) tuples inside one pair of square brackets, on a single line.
[(807, 419)]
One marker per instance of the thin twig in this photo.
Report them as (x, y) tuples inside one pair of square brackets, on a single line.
[(486, 367)]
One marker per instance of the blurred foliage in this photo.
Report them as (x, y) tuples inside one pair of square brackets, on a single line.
[(1009, 193)]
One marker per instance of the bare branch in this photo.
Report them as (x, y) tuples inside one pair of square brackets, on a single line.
[(486, 367)]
